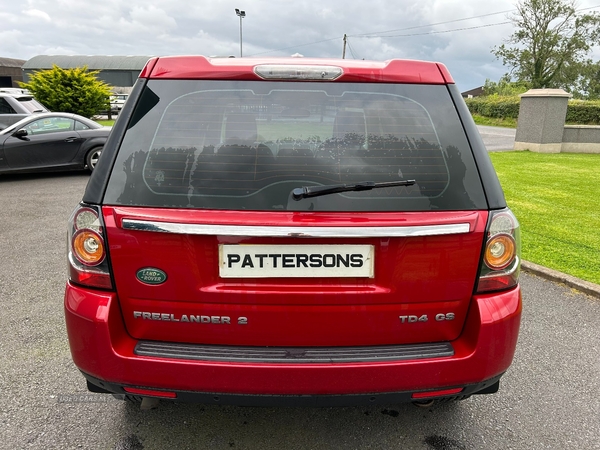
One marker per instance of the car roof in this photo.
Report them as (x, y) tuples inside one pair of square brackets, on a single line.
[(37, 116), (16, 95), (391, 71)]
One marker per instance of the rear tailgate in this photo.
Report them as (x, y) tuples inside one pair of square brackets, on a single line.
[(327, 279)]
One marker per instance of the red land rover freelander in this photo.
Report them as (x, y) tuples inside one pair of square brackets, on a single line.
[(293, 231)]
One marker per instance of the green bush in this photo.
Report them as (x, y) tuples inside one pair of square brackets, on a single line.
[(75, 91), (581, 112)]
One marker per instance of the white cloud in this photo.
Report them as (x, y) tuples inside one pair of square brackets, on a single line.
[(37, 14), (161, 27), (152, 19)]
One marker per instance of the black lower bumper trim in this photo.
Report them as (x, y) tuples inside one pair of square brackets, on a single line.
[(294, 355), (386, 398)]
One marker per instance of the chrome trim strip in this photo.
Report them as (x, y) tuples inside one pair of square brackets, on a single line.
[(313, 232)]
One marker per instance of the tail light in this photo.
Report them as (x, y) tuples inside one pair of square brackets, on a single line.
[(88, 263), (501, 261)]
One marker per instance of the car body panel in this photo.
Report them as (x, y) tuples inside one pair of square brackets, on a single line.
[(57, 150), (413, 276), (42, 151), (101, 347), (393, 71)]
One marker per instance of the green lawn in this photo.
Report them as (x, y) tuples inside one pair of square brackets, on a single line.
[(556, 198)]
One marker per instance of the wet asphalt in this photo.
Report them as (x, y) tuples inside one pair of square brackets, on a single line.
[(548, 399)]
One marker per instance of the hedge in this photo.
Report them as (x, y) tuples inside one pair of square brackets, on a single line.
[(582, 112), (495, 106)]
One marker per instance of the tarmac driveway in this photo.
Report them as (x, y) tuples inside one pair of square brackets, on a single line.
[(497, 138), (548, 399)]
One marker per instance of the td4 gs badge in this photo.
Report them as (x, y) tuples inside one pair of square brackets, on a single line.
[(425, 318)]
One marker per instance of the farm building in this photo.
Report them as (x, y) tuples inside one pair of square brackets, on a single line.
[(10, 72), (118, 71)]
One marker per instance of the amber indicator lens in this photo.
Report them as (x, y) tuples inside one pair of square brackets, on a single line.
[(500, 251), (88, 247)]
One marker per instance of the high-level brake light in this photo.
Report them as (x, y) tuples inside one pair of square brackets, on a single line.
[(299, 72)]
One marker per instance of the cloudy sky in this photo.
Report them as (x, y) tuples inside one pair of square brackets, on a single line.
[(459, 33)]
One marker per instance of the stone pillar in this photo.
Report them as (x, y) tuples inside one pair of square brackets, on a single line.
[(542, 114)]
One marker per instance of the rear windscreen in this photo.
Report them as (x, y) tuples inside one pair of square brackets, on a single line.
[(245, 145), (31, 105)]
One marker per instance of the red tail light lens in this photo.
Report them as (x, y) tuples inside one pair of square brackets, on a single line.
[(88, 265), (501, 256)]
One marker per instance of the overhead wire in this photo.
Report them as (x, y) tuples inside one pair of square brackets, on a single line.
[(434, 24), (375, 35), (379, 34), (441, 31)]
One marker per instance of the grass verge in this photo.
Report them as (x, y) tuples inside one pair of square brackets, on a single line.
[(555, 197), (494, 121)]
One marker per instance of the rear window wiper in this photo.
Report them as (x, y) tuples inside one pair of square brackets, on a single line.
[(315, 191)]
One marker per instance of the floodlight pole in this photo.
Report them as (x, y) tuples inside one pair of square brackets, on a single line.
[(241, 15)]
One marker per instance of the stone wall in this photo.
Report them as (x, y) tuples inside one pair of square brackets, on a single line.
[(541, 125), (581, 139)]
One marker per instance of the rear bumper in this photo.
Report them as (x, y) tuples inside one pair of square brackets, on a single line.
[(104, 352), (322, 400)]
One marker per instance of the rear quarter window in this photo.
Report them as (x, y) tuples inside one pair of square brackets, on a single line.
[(245, 145), (5, 108)]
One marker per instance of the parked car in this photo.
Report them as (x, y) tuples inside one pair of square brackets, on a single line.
[(117, 101), (16, 106), (51, 141), (293, 231)]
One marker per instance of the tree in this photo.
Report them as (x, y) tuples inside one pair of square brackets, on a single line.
[(551, 43), (505, 87), (70, 90), (588, 83)]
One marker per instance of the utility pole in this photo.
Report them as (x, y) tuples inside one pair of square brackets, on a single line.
[(344, 50), (241, 15)]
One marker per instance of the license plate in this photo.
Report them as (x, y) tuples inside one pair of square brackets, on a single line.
[(296, 261)]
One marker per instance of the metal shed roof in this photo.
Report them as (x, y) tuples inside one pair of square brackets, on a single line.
[(11, 62), (97, 62)]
